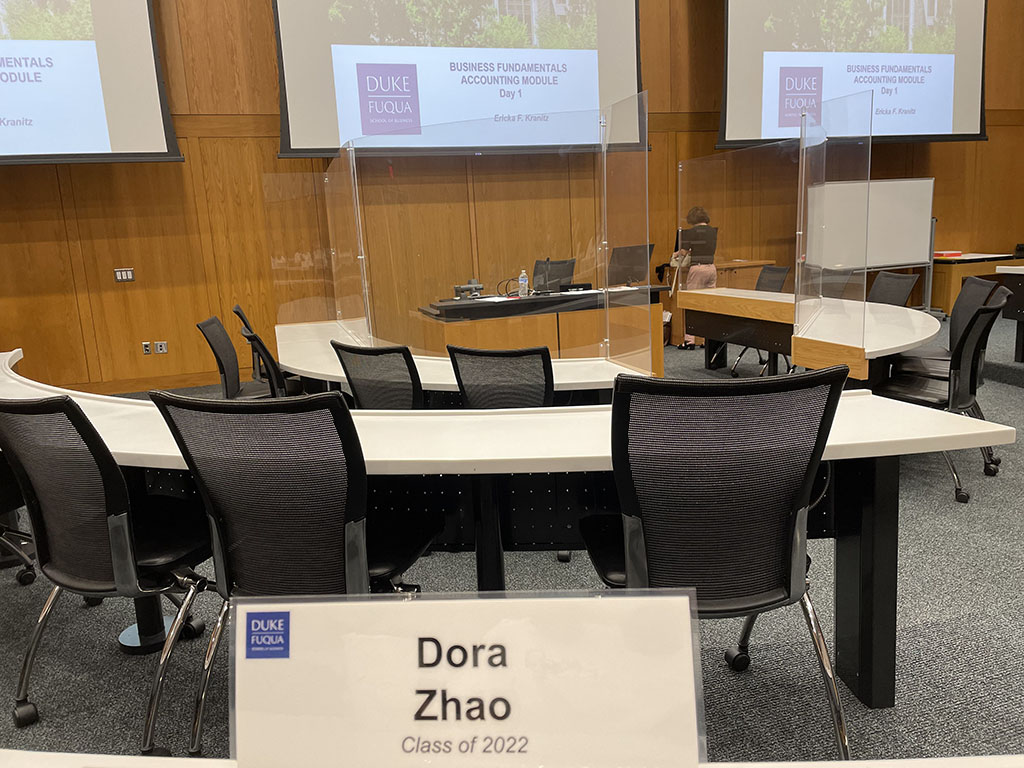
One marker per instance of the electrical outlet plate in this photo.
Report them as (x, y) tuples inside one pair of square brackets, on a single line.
[(147, 348), (124, 275), (160, 347)]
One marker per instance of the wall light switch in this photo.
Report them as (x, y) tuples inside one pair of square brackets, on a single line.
[(126, 275)]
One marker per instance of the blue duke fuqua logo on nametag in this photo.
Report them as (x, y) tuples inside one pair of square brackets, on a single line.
[(266, 635)]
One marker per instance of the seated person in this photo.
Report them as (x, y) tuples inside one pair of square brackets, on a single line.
[(699, 242)]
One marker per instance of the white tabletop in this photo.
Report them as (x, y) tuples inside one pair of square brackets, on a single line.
[(10, 758), (1010, 270), (508, 441), (878, 329), (305, 350)]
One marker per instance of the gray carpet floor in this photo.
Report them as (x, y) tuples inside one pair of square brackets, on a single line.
[(960, 620)]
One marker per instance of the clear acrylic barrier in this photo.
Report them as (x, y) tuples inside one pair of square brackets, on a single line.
[(429, 244), (832, 258)]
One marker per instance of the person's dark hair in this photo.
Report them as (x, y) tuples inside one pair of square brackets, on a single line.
[(697, 215)]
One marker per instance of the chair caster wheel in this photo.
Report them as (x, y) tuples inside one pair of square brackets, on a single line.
[(404, 587), (997, 460), (26, 576), (963, 496), (737, 658), (734, 374), (92, 602), (25, 713), (192, 629), (991, 470), (157, 752), (564, 556)]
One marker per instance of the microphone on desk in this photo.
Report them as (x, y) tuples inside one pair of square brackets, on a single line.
[(470, 290)]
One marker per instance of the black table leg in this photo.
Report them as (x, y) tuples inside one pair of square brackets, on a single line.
[(867, 528), (149, 631), (716, 354), (490, 556), (1018, 347)]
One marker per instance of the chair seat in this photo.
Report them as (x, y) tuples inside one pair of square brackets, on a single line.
[(396, 540), (927, 367), (605, 543), (915, 389), (169, 533)]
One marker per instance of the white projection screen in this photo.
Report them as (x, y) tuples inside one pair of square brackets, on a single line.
[(499, 73), (80, 81), (922, 59)]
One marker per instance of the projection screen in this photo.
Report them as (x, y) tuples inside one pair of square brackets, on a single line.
[(922, 59), (500, 73), (80, 81)]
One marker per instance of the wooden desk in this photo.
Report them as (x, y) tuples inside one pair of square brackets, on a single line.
[(734, 273), (867, 437), (834, 331), (949, 274)]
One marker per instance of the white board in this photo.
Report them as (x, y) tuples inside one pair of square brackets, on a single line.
[(896, 230)]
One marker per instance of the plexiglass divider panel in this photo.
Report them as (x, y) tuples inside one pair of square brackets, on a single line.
[(625, 247), (429, 247), (832, 258)]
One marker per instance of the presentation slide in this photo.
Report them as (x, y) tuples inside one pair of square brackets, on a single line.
[(64, 90), (922, 59), (454, 73)]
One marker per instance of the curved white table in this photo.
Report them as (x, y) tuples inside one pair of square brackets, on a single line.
[(305, 350), (868, 436)]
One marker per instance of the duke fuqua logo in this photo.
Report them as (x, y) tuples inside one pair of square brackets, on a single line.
[(800, 91), (389, 99), (266, 635)]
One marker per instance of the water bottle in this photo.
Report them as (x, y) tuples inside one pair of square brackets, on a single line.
[(524, 285)]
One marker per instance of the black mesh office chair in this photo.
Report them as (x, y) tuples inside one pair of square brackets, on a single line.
[(510, 378), (258, 374), (385, 378), (227, 362), (892, 288), (772, 280), (93, 536), (13, 540), (279, 385), (714, 481), (550, 275), (834, 282), (284, 484), (382, 378), (958, 394)]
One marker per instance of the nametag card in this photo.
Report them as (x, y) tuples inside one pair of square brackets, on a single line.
[(556, 680)]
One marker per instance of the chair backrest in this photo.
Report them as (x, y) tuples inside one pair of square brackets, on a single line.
[(224, 352), (966, 355), (274, 376), (258, 373), (974, 293), (10, 492), (892, 288), (714, 480), (75, 494), (284, 485), (549, 275), (834, 282), (384, 378), (509, 378), (771, 279)]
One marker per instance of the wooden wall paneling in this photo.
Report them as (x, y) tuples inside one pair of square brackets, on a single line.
[(998, 191), (262, 212), (142, 215), (230, 58), (1004, 75), (697, 48), (661, 198), (341, 236), (172, 58), (656, 53), (416, 228), (38, 307), (953, 165), (584, 210), (522, 213), (776, 208)]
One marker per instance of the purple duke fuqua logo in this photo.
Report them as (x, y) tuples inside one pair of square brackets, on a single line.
[(389, 98), (799, 91)]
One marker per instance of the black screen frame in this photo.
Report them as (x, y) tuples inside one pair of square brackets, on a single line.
[(982, 135), (173, 153), (288, 152)]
